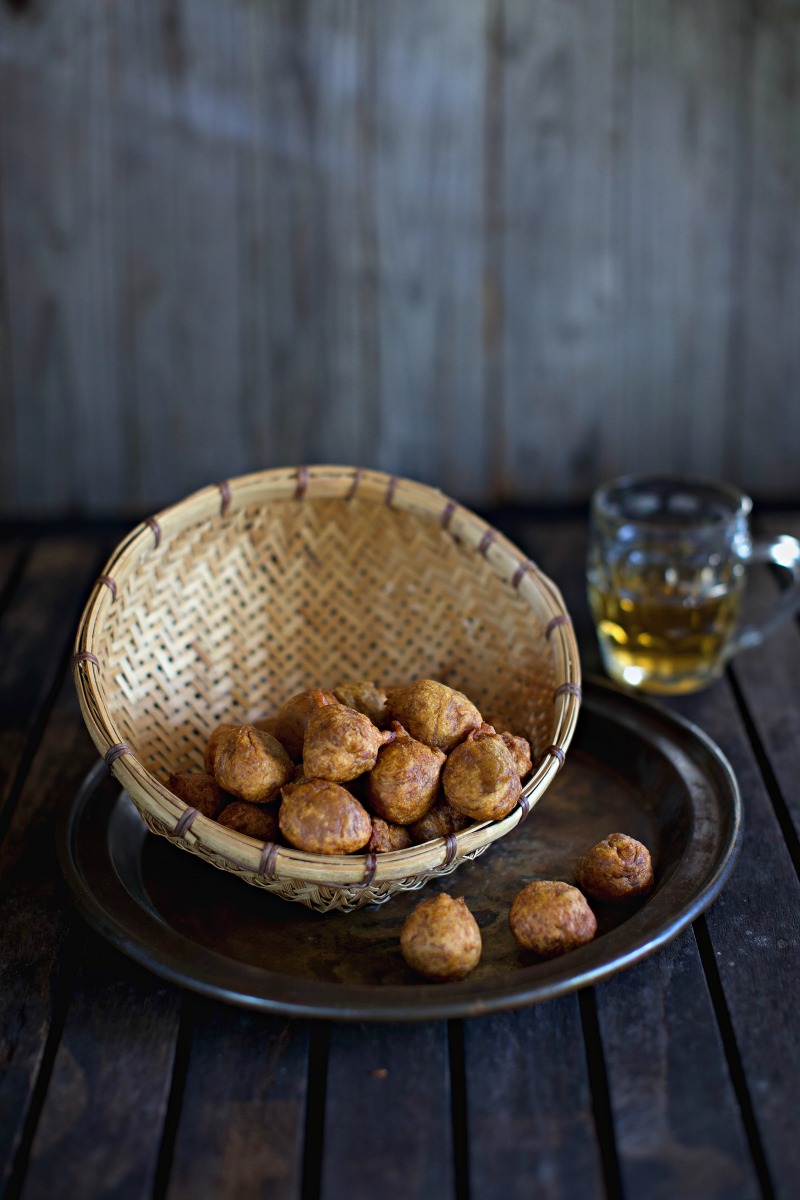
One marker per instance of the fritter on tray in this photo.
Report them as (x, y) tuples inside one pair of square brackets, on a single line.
[(251, 764), (551, 918), (341, 744), (323, 818), (404, 783), (440, 939), (480, 777), (615, 870), (434, 713)]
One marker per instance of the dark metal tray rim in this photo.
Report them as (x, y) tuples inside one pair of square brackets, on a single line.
[(144, 937)]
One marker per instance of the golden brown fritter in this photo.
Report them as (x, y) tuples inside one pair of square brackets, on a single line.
[(213, 744), (251, 764), (441, 821), (200, 791), (323, 818), (365, 697), (433, 713), (551, 918), (440, 939), (341, 744), (269, 725), (520, 749), (480, 777), (386, 836), (615, 870), (256, 820), (404, 783), (293, 716)]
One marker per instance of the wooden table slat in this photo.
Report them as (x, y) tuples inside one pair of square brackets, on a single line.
[(754, 928), (677, 1122), (531, 1127), (242, 1119), (388, 1123), (767, 677), (36, 630), (35, 914), (12, 556), (99, 1132)]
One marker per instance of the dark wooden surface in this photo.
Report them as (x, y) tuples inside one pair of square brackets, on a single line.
[(509, 247), (676, 1078)]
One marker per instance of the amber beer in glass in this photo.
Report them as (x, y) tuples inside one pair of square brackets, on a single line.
[(666, 574)]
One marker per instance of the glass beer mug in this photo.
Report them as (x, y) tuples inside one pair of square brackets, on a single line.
[(666, 573)]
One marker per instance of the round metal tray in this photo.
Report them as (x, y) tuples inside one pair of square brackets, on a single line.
[(632, 768)]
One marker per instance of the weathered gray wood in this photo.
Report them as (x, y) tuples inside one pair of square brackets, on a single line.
[(241, 1127), (677, 1124), (177, 131), (562, 289), (765, 431), (509, 248), (530, 1126), (387, 1113), (429, 181), (58, 225)]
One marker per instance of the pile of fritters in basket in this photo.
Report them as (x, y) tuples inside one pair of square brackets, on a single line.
[(359, 768)]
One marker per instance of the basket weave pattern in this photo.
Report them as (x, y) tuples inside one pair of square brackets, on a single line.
[(241, 596)]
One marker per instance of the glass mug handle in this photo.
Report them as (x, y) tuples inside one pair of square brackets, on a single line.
[(782, 551)]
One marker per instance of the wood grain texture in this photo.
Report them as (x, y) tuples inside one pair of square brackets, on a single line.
[(35, 916), (754, 928), (378, 1078), (241, 1128), (677, 1123), (529, 1105), (429, 204), (506, 247), (100, 1128), (765, 434), (59, 218), (35, 632), (769, 679)]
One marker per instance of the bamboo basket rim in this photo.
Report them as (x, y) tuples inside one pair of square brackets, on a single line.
[(308, 483)]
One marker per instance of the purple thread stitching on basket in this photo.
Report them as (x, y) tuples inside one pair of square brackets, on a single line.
[(486, 541), (568, 689), (84, 656), (451, 842), (370, 867), (225, 492), (447, 514), (303, 477), (110, 583), (525, 805), (359, 475), (156, 528), (521, 572), (114, 752), (561, 619), (391, 489), (557, 752), (184, 822), (268, 856)]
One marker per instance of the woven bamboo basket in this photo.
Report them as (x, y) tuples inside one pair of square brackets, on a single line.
[(248, 592)]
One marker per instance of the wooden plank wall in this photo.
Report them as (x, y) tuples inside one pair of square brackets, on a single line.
[(509, 247)]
